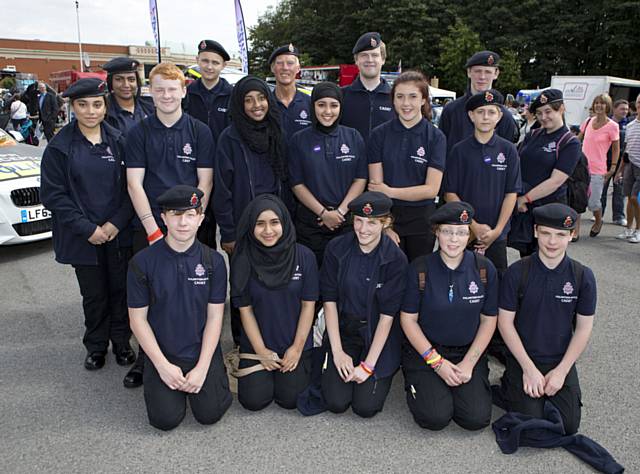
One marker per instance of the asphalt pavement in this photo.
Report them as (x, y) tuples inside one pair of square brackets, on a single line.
[(57, 417)]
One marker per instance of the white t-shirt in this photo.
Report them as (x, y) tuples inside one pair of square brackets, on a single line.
[(18, 110)]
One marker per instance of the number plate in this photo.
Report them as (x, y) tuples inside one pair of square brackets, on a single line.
[(34, 214)]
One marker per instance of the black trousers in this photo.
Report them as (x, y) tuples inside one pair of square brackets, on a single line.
[(257, 390), (207, 231), (414, 246), (48, 128), (313, 236), (434, 404), (412, 223), (103, 288), (568, 399), (166, 408), (497, 253), (366, 399)]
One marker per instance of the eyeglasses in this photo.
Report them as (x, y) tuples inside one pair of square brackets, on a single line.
[(458, 233)]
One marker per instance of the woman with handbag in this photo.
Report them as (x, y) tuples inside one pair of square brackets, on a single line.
[(274, 283)]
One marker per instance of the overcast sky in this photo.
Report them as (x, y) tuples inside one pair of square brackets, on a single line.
[(183, 23)]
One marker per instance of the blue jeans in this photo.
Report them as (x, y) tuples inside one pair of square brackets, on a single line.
[(617, 199)]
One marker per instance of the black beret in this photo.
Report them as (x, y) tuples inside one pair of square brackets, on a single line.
[(548, 96), (371, 204), (455, 212), (483, 58), (556, 215), (180, 198), (490, 97), (121, 64), (214, 47), (367, 42), (286, 49), (87, 87)]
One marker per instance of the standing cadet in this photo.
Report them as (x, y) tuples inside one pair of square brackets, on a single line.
[(125, 106), (362, 282), (484, 170), (84, 187), (274, 283), (176, 295), (482, 70), (327, 168), (547, 304), (294, 105), (548, 156), (165, 149), (367, 101), (208, 101), (406, 162), (449, 315)]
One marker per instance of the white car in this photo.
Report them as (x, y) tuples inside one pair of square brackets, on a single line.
[(23, 218)]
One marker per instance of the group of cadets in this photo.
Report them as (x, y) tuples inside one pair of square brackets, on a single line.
[(323, 200)]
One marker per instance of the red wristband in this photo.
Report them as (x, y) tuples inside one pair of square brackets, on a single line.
[(155, 235)]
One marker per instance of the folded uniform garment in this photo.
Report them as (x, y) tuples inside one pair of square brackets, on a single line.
[(516, 429)]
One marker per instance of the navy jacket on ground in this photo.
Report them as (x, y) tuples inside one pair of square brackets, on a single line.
[(210, 107), (516, 429), (364, 110), (384, 294), (61, 195), (456, 124)]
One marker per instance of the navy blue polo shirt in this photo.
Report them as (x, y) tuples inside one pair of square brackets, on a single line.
[(327, 164), (455, 322), (456, 124), (482, 174), (210, 106), (277, 311), (180, 283), (406, 154), (551, 297), (297, 116), (360, 269), (124, 120), (538, 160), (364, 110), (96, 172), (169, 155)]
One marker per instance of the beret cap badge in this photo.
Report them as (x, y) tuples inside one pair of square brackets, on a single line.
[(488, 96), (490, 60), (568, 221), (367, 209), (374, 43), (194, 199), (203, 44), (464, 217), (291, 48), (543, 99)]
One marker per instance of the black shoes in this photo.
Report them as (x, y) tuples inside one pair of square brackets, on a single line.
[(124, 355), (94, 361), (133, 378)]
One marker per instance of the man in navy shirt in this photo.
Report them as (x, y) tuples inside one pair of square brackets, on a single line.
[(294, 105), (484, 170), (165, 149), (367, 101), (208, 101), (482, 70), (125, 107), (547, 304), (176, 295)]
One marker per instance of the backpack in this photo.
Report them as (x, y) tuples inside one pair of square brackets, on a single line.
[(142, 278), (578, 183), (420, 264), (578, 270)]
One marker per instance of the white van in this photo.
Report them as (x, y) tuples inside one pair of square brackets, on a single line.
[(579, 92)]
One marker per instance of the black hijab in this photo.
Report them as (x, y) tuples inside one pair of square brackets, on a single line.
[(273, 266), (321, 91), (264, 136)]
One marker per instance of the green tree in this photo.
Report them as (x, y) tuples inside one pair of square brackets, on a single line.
[(510, 79), (460, 43)]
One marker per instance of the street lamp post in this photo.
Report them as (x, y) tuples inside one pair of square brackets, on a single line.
[(79, 41)]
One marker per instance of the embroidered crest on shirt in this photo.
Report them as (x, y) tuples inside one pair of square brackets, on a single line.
[(187, 150), (501, 158), (200, 271), (567, 289), (421, 152), (303, 115), (550, 148), (473, 288), (344, 149)]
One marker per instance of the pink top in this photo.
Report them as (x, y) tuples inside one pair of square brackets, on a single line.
[(596, 144)]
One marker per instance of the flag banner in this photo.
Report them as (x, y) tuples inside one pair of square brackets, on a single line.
[(242, 37), (155, 26)]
